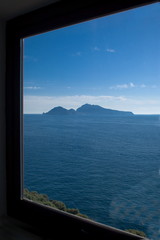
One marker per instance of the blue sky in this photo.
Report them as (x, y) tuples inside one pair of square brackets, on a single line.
[(112, 61)]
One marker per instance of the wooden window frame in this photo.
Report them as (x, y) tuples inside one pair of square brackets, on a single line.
[(44, 220)]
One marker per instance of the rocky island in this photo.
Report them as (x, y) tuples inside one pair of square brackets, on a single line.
[(88, 109)]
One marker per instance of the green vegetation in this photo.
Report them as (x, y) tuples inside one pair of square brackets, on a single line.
[(137, 232), (44, 200)]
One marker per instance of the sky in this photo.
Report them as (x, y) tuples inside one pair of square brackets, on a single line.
[(112, 61)]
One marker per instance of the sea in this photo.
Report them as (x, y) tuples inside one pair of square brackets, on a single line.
[(107, 167)]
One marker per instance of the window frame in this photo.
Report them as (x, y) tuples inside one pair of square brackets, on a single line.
[(57, 15)]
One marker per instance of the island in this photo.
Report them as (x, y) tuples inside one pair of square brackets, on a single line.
[(61, 111), (88, 109)]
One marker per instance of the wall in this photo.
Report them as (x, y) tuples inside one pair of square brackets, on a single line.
[(2, 121)]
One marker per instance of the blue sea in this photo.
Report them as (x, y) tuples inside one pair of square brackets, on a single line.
[(107, 167)]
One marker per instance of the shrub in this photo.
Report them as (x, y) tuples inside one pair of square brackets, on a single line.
[(60, 205), (44, 199), (136, 232), (74, 211)]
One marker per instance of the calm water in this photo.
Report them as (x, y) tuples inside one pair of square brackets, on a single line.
[(108, 168)]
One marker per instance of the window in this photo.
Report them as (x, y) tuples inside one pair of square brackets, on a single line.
[(56, 17)]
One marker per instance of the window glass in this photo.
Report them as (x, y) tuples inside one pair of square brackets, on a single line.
[(92, 120)]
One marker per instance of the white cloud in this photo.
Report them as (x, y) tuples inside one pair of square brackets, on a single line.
[(131, 85), (138, 105), (32, 88), (40, 104), (143, 86), (141, 105), (77, 54), (30, 58), (96, 48), (110, 50), (123, 86)]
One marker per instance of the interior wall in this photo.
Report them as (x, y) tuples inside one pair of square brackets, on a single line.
[(2, 122)]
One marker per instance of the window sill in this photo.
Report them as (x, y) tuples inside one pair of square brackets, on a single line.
[(11, 229)]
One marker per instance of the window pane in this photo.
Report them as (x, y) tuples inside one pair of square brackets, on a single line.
[(92, 120)]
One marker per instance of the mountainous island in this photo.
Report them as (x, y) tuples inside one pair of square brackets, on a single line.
[(88, 109)]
